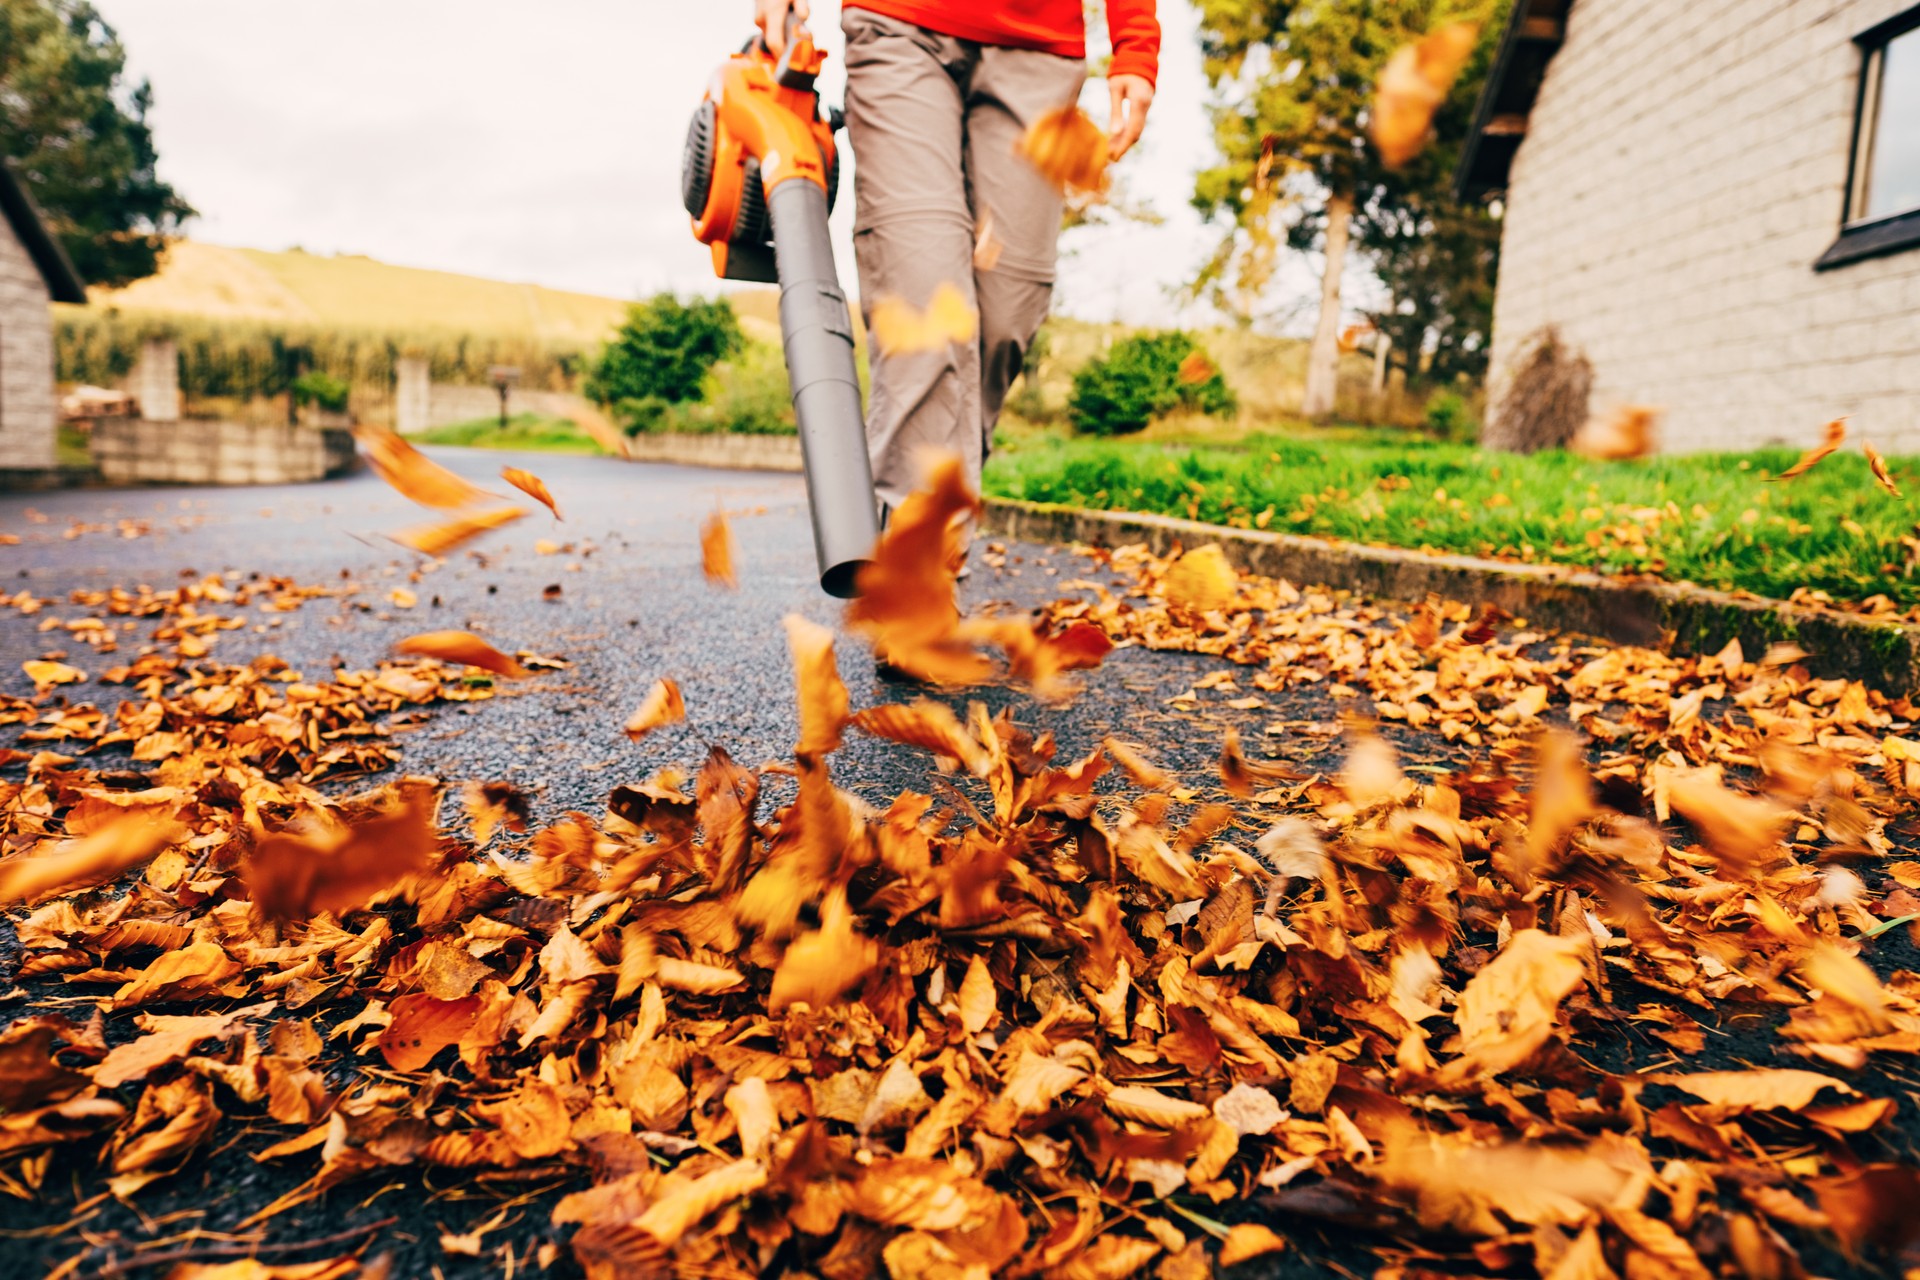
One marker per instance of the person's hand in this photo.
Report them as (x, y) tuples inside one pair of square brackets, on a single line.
[(1132, 99), (771, 15)]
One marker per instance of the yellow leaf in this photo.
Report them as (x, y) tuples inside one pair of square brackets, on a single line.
[(295, 876), (1069, 150), (1760, 1089), (1150, 1106), (438, 539), (531, 485), (928, 724), (823, 965), (662, 706), (1508, 1010), (1878, 465), (1412, 85), (1248, 1240), (465, 648), (979, 998), (899, 328), (822, 694), (1836, 436), (753, 1112), (120, 845), (669, 1217), (1202, 580), (414, 474), (716, 551), (46, 674)]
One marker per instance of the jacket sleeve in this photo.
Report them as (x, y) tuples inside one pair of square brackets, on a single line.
[(1136, 38)]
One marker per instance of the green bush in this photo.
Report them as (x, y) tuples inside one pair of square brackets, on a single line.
[(318, 387), (1449, 417), (1143, 377), (748, 394), (662, 355)]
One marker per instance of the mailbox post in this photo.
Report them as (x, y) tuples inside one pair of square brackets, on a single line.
[(504, 377)]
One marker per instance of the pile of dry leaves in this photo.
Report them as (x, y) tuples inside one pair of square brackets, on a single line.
[(1062, 1018)]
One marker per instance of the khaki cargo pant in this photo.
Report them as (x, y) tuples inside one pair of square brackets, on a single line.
[(933, 121)]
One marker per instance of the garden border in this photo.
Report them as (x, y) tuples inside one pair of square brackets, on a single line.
[(1672, 616), (1677, 617)]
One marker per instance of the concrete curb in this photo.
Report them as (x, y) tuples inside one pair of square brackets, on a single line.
[(1681, 619)]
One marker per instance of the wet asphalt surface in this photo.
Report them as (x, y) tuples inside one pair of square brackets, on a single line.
[(632, 607)]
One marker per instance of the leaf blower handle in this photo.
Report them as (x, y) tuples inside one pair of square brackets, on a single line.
[(818, 331)]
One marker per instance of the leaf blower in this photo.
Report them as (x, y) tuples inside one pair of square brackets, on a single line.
[(759, 177)]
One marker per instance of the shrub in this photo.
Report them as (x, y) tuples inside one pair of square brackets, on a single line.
[(662, 354), (1547, 401), (246, 359), (1450, 418), (1141, 378), (748, 394), (318, 387)]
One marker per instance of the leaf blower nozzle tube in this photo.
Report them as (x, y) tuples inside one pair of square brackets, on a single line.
[(818, 331)]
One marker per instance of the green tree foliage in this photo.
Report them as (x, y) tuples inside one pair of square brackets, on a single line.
[(76, 133), (661, 357), (1293, 81), (1143, 377)]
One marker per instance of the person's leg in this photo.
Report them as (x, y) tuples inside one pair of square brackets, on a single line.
[(1011, 89), (913, 232)]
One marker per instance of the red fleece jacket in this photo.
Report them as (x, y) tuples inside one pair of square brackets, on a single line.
[(1056, 26)]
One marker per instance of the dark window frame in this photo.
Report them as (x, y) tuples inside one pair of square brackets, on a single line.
[(1870, 238)]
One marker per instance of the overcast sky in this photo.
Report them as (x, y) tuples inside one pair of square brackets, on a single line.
[(540, 142)]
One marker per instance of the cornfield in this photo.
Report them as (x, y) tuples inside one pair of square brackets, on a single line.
[(247, 359)]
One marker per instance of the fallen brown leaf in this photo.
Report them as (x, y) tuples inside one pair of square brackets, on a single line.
[(297, 875)]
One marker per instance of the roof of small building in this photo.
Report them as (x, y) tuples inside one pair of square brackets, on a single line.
[(1533, 34), (63, 282)]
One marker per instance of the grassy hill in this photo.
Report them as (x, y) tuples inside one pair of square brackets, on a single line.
[(348, 309), (353, 291)]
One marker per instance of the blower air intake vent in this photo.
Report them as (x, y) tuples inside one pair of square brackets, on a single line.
[(696, 164)]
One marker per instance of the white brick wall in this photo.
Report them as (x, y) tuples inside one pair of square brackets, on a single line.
[(1684, 166), (26, 359)]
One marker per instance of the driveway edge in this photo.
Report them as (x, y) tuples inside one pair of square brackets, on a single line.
[(1678, 618)]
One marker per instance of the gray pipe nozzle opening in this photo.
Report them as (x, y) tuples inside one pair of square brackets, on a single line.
[(817, 330)]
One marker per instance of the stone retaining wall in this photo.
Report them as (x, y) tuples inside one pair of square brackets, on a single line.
[(196, 451), (728, 452)]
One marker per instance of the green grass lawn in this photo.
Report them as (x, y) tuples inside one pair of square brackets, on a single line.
[(1713, 519), (525, 431)]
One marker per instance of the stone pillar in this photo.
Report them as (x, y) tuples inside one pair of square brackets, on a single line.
[(156, 380), (412, 395)]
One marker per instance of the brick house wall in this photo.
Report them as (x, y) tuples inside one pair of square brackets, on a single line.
[(1684, 166), (27, 408)]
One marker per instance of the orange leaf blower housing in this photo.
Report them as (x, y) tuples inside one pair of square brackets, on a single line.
[(760, 179), (760, 125)]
